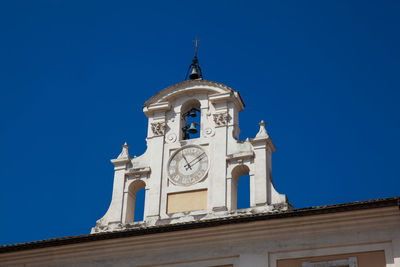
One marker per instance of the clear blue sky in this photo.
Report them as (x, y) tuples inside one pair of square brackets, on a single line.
[(324, 75)]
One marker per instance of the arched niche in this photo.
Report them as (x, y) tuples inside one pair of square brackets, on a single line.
[(186, 120), (240, 172), (131, 206)]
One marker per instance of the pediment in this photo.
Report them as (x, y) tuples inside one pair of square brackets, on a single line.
[(185, 87)]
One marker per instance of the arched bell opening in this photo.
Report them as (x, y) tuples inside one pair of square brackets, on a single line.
[(139, 205), (135, 202), (190, 119), (240, 190)]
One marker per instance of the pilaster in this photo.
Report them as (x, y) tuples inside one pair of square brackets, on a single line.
[(263, 148), (218, 171), (153, 195), (260, 179)]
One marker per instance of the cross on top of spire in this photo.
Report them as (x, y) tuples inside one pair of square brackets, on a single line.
[(194, 68), (196, 41)]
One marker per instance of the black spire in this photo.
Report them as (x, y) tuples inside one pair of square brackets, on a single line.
[(194, 68)]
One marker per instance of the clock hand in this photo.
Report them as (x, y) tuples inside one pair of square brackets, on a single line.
[(195, 159), (187, 163), (193, 163)]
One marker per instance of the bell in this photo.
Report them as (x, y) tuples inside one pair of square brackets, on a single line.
[(192, 113), (194, 74), (192, 129)]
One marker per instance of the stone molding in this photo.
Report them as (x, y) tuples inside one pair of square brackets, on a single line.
[(156, 107), (351, 262), (349, 248), (293, 231), (296, 226), (185, 85), (138, 171), (228, 97), (123, 157), (240, 156)]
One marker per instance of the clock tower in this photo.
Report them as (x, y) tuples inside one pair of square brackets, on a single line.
[(193, 160)]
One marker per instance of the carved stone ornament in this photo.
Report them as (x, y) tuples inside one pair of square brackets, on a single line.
[(158, 128), (171, 138), (221, 119), (208, 132)]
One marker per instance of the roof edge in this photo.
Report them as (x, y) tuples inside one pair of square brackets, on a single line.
[(358, 205)]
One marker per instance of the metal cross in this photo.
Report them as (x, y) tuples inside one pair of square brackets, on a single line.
[(197, 45)]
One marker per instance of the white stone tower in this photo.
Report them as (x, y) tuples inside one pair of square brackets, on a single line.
[(188, 179)]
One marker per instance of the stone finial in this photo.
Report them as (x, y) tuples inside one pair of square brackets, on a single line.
[(262, 132), (124, 153)]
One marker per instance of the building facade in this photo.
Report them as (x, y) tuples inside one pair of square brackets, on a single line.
[(362, 234), (190, 170)]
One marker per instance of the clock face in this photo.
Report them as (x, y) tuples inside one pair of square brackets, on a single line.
[(188, 165)]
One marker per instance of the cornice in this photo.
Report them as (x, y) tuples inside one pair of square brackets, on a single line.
[(176, 88), (378, 212), (240, 155), (157, 241), (138, 171)]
